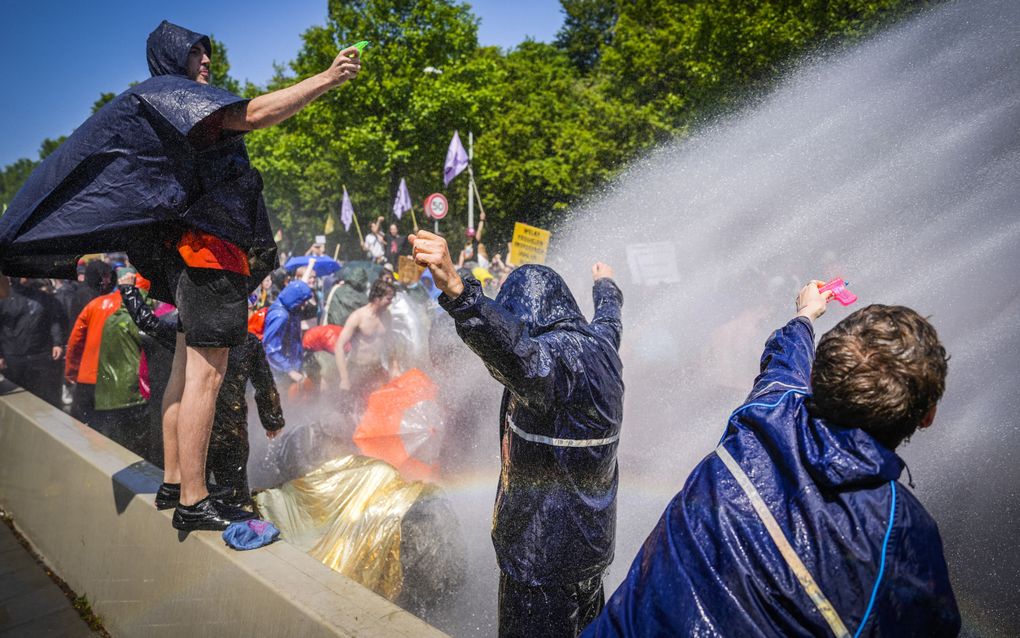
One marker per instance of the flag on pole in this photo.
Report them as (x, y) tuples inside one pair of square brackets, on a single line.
[(346, 211), (456, 160), (330, 224), (402, 203)]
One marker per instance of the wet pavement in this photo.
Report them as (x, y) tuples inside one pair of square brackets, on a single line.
[(31, 604)]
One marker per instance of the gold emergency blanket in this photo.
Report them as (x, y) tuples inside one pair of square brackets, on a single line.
[(347, 514)]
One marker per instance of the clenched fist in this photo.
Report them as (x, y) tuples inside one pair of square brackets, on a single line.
[(810, 302), (601, 271), (431, 251)]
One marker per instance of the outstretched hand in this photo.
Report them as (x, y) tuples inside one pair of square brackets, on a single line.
[(431, 251), (810, 302), (346, 66), (601, 271)]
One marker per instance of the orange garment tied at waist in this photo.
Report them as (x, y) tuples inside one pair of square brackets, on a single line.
[(202, 250)]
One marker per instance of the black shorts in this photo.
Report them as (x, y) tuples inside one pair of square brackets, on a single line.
[(212, 306)]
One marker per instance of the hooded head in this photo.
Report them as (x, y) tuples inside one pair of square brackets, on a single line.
[(540, 298), (294, 294), (168, 46)]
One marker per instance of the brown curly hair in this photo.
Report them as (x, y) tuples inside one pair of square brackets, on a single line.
[(380, 288), (882, 369)]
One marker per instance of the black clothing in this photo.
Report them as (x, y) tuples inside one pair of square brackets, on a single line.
[(150, 164), (212, 305), (228, 444), (38, 374), (30, 322), (73, 296), (550, 611), (83, 402), (31, 325), (128, 427), (394, 247), (560, 420)]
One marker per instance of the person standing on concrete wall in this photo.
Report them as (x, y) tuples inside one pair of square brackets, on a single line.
[(162, 173)]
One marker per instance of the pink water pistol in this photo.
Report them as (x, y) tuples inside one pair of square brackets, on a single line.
[(839, 291)]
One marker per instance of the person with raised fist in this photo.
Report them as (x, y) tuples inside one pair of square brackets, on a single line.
[(555, 517)]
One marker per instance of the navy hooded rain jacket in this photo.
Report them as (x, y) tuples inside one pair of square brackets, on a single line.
[(145, 167), (710, 568), (555, 514)]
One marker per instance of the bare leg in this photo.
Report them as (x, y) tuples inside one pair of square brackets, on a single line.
[(203, 376), (171, 408)]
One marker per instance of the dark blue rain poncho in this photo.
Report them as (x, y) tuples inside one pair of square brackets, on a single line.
[(135, 175), (710, 568), (281, 336), (555, 514)]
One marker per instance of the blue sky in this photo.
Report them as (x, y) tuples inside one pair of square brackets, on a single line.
[(60, 55)]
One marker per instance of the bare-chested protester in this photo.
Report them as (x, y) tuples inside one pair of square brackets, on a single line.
[(363, 370)]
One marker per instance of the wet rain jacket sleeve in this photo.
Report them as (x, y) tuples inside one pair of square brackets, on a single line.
[(787, 359), (524, 365), (164, 332), (608, 303), (267, 398)]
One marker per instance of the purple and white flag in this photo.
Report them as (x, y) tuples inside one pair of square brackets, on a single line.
[(402, 203), (456, 160), (346, 211)]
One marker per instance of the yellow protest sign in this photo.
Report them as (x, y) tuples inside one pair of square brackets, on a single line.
[(529, 245)]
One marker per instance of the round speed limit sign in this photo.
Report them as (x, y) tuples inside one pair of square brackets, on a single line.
[(436, 206)]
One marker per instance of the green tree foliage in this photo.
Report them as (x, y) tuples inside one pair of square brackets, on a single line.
[(219, 68), (587, 28), (395, 120), (551, 122), (678, 61), (104, 99)]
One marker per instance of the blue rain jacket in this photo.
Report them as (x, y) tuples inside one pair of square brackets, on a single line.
[(281, 336), (710, 568), (555, 516), (135, 175)]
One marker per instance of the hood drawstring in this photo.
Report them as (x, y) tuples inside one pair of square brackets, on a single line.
[(910, 478)]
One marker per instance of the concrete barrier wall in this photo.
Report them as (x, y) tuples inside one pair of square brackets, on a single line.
[(85, 503)]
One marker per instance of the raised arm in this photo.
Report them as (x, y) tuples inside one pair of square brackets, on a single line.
[(275, 107), (164, 332), (790, 351), (525, 365), (608, 303)]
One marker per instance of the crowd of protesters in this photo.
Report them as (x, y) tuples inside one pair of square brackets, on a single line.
[(101, 349), (785, 529)]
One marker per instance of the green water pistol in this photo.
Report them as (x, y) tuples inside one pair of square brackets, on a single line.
[(360, 46)]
